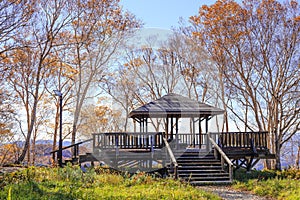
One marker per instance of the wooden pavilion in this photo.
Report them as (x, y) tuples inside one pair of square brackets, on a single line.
[(197, 155)]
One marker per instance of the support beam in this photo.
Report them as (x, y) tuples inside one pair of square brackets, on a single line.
[(167, 127), (176, 132), (146, 122), (206, 125), (200, 133), (194, 134), (172, 128)]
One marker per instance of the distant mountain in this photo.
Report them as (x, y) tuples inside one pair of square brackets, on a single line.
[(65, 143), (44, 142)]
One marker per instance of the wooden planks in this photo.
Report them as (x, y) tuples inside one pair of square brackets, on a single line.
[(243, 139)]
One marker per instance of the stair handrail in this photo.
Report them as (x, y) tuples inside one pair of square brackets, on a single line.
[(223, 156), (72, 145), (173, 159), (76, 146)]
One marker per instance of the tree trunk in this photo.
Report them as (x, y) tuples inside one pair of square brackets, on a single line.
[(33, 151), (33, 116), (26, 146), (298, 158), (29, 154), (277, 156), (55, 128)]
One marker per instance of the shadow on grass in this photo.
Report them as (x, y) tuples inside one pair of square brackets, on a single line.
[(32, 190)]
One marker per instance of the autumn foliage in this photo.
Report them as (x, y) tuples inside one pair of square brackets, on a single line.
[(231, 54), (255, 46), (48, 45)]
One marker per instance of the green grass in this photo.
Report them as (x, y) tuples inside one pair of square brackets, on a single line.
[(71, 183), (277, 185)]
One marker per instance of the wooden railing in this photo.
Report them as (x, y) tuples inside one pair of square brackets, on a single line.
[(128, 140), (244, 140), (188, 138), (224, 158), (174, 163)]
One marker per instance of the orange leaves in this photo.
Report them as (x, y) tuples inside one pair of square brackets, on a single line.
[(195, 19), (294, 4), (135, 62), (69, 71), (20, 55), (101, 110), (4, 59), (105, 16), (220, 21), (3, 129), (8, 153)]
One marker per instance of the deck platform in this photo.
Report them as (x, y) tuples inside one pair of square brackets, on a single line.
[(198, 154)]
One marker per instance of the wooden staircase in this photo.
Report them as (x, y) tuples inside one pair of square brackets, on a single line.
[(202, 168)]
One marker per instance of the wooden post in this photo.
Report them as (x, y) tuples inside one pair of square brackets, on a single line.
[(117, 144), (146, 137), (200, 133), (177, 142), (172, 128), (207, 142), (207, 135), (194, 144), (146, 121), (140, 125), (206, 124), (167, 128)]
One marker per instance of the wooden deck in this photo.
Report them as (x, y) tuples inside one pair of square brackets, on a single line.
[(149, 152), (245, 149)]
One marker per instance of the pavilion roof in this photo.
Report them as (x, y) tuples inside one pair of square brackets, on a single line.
[(174, 105)]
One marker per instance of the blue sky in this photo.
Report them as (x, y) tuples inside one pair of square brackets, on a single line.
[(163, 14)]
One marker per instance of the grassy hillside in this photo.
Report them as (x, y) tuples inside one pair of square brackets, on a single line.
[(71, 183), (277, 185)]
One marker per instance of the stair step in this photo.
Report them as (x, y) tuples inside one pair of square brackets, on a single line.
[(197, 158), (194, 171), (193, 154), (199, 163), (217, 171), (200, 168), (203, 166), (194, 175), (222, 182), (215, 178)]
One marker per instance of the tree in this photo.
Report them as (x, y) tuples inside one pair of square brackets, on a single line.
[(120, 84), (151, 71), (198, 70), (256, 48), (62, 79), (13, 16), (99, 29), (32, 62), (99, 118)]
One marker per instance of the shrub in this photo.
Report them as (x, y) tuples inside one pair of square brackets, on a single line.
[(291, 173), (243, 176)]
